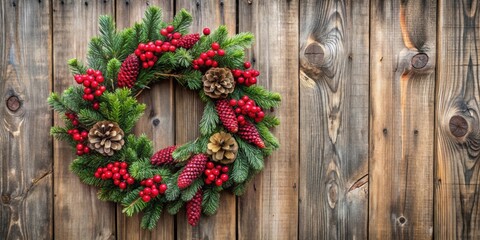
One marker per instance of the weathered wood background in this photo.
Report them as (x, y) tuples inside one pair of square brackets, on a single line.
[(380, 120)]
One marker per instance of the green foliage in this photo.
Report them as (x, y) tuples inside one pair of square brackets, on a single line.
[(56, 103), (143, 169), (151, 216), (85, 167), (133, 203), (173, 192), (151, 24), (264, 98), (113, 67), (210, 201), (240, 169), (174, 207), (242, 40), (251, 153), (210, 120), (89, 117), (270, 121), (182, 58), (182, 21), (271, 142), (61, 134), (76, 67), (189, 192), (184, 152), (141, 147), (121, 108), (192, 80), (113, 194)]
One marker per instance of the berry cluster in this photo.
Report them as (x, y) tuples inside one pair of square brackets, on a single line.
[(92, 81), (216, 174), (152, 188), (246, 77), (78, 136), (188, 40), (246, 107), (206, 58), (116, 171)]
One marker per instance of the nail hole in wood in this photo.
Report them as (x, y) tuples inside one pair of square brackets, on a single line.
[(402, 220), (420, 60), (415, 132), (221, 3), (13, 103), (14, 4), (458, 126), (156, 121), (86, 3), (385, 131), (198, 3), (314, 54)]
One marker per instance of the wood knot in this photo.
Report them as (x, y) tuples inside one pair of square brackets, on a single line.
[(315, 54), (420, 60), (332, 195), (13, 103), (5, 199), (402, 220), (156, 121), (458, 126)]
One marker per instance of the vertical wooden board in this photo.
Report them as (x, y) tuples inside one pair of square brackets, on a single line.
[(457, 171), (189, 108), (402, 66), (269, 208), (25, 153), (78, 214), (157, 121), (334, 88)]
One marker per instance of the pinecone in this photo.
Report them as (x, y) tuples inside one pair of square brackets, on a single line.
[(218, 82), (249, 133), (222, 147), (192, 170), (163, 156), (227, 115), (188, 41), (128, 72), (106, 137), (194, 208)]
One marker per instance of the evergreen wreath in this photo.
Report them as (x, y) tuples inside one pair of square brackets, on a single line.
[(101, 112)]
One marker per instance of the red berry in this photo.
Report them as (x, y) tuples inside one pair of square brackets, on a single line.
[(221, 52), (158, 43), (224, 177), (80, 147), (151, 63), (90, 71), (146, 198), (172, 48), (137, 52), (214, 64), (240, 118), (233, 102), (149, 182), (247, 65), (108, 174), (155, 192), (122, 185), (116, 176), (211, 53), (210, 165), (162, 188), (206, 31), (225, 169), (215, 46), (200, 61), (211, 177), (96, 106), (164, 32), (252, 80), (204, 56), (97, 175), (86, 83), (218, 182), (123, 165), (147, 190), (141, 46), (208, 182), (122, 171), (102, 88), (116, 182), (98, 93), (157, 178), (90, 97), (77, 137), (141, 194), (208, 63), (215, 172), (208, 172), (149, 55), (130, 181), (260, 114), (170, 28), (145, 65), (241, 103), (174, 42), (177, 35), (241, 80)]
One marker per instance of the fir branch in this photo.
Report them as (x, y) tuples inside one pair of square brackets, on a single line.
[(143, 169), (270, 121), (262, 97), (253, 154), (113, 194), (182, 58), (113, 67), (173, 192), (270, 140), (128, 43), (89, 117), (240, 169), (241, 40), (201, 144), (182, 21), (85, 173), (76, 67), (151, 24), (151, 216), (133, 203), (72, 99), (210, 201), (233, 59), (108, 35), (189, 192), (184, 152), (56, 103), (61, 134), (209, 120), (97, 58), (175, 206)]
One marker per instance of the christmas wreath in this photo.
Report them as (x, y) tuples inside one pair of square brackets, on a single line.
[(101, 111)]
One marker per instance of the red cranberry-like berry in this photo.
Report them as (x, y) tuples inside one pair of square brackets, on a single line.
[(157, 178), (206, 31), (162, 188), (170, 28), (122, 185), (146, 198), (218, 182), (215, 46), (247, 65)]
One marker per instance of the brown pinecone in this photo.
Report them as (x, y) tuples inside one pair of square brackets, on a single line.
[(249, 133), (227, 115), (188, 41), (218, 82), (128, 72), (192, 170), (106, 137), (222, 147), (163, 156), (194, 208)]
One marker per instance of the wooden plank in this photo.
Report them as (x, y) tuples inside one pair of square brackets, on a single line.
[(25, 82), (78, 213), (158, 121), (189, 108), (402, 64), (457, 175), (334, 88), (269, 208)]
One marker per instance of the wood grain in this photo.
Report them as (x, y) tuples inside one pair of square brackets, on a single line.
[(334, 119), (25, 157), (212, 14), (157, 123), (402, 119), (269, 208), (457, 171), (78, 213)]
